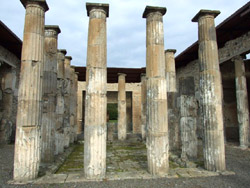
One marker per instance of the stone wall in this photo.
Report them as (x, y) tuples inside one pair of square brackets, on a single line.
[(232, 48), (9, 80), (229, 102)]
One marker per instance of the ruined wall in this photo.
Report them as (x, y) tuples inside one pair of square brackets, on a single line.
[(133, 92), (9, 80), (232, 48), (229, 101)]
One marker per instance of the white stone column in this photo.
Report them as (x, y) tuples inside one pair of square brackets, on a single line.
[(170, 70), (122, 111), (28, 126), (242, 101), (79, 111), (59, 134), (95, 130), (157, 120), (210, 92), (49, 93), (143, 106)]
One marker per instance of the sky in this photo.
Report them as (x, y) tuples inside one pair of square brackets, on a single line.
[(126, 29)]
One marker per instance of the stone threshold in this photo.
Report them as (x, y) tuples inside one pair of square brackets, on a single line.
[(78, 177)]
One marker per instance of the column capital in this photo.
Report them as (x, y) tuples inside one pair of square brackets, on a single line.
[(171, 51), (204, 12), (104, 7), (63, 51), (237, 58), (68, 57), (122, 74), (150, 9), (42, 3), (54, 28)]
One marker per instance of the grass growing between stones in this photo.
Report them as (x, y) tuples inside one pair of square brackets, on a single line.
[(121, 157), (74, 163)]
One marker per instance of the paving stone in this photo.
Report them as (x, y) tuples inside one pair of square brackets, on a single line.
[(54, 178), (75, 178)]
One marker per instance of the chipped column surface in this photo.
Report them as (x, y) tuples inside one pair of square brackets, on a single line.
[(211, 92), (170, 70), (157, 120), (67, 89), (28, 132), (95, 130), (242, 101), (59, 134), (122, 117), (49, 93), (143, 105), (188, 124)]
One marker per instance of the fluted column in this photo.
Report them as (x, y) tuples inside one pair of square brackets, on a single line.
[(210, 92), (67, 91), (242, 101), (170, 70), (157, 120), (49, 93), (59, 134), (122, 114), (143, 105), (75, 104), (79, 111), (72, 104), (95, 130), (72, 101), (28, 131)]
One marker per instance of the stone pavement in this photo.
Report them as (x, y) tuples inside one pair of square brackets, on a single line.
[(125, 160)]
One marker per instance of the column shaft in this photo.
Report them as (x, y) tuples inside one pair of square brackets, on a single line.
[(242, 101), (122, 114), (170, 70), (28, 131), (143, 105), (79, 111), (59, 134), (157, 120), (211, 92), (49, 94), (95, 131), (75, 105), (72, 104), (67, 92)]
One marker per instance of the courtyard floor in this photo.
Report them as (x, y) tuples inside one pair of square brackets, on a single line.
[(127, 167)]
